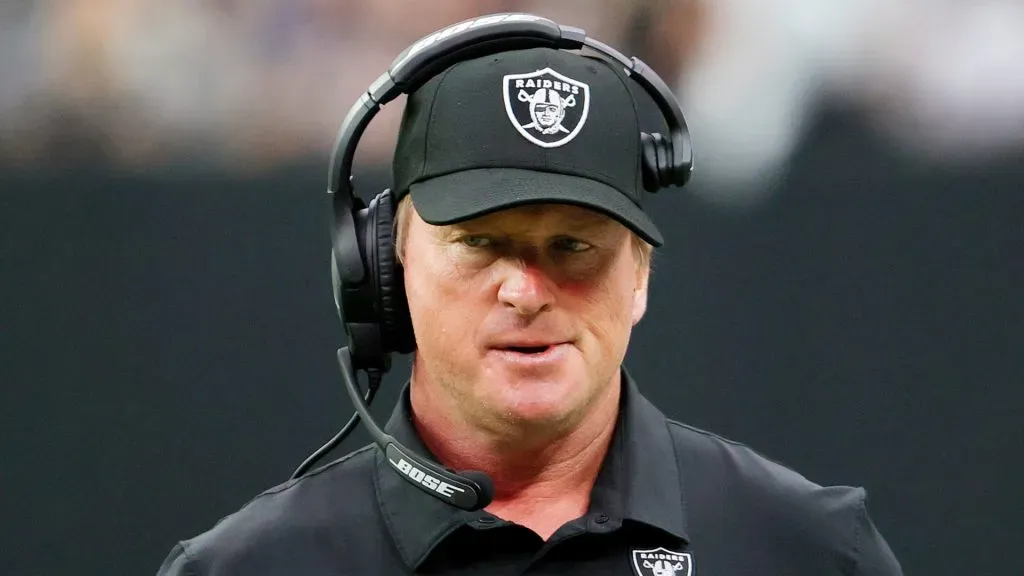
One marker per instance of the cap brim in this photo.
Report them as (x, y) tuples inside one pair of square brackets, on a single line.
[(469, 194)]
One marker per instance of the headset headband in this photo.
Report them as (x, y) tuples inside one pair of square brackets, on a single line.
[(467, 40)]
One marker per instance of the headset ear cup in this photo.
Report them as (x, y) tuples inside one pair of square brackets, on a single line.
[(681, 171), (336, 284), (649, 162), (656, 169), (663, 146), (396, 324)]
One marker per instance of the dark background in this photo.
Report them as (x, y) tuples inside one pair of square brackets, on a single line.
[(168, 346)]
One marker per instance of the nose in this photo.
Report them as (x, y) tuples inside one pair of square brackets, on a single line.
[(526, 288)]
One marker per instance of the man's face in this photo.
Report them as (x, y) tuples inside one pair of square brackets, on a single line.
[(548, 114), (522, 317)]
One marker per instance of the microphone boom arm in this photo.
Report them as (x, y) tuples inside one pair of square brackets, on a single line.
[(470, 490)]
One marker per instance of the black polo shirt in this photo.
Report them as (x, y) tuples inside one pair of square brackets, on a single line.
[(669, 500)]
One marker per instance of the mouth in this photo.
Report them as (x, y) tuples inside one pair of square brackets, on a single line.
[(532, 354), (539, 349)]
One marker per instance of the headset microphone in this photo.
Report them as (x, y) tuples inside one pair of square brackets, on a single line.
[(470, 490)]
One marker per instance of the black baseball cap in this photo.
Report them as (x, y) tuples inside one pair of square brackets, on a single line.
[(523, 127)]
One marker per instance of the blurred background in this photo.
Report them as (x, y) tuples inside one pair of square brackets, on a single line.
[(840, 288)]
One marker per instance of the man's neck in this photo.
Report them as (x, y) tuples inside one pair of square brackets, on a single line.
[(541, 479)]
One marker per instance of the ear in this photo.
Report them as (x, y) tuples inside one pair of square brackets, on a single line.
[(643, 275)]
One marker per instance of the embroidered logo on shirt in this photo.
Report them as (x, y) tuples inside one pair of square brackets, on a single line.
[(662, 562)]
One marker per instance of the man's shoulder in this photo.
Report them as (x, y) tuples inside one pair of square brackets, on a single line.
[(729, 482), (735, 462), (289, 520)]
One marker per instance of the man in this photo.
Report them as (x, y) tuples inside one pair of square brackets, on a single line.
[(547, 108), (526, 260)]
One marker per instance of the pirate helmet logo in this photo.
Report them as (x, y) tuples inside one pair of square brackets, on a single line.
[(547, 108), (662, 562)]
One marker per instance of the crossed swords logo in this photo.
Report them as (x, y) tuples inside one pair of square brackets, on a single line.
[(547, 109)]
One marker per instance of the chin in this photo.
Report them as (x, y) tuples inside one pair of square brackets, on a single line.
[(535, 397)]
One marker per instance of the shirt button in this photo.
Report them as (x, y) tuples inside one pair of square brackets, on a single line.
[(486, 520), (601, 518)]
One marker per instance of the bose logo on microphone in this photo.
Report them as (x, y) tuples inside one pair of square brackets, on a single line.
[(420, 477), (484, 21)]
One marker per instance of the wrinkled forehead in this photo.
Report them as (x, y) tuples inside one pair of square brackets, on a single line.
[(541, 218)]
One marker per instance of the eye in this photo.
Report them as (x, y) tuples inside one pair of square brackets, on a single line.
[(476, 241), (571, 245)]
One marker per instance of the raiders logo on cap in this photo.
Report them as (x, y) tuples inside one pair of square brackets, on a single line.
[(547, 108)]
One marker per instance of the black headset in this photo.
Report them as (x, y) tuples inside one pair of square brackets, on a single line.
[(368, 284)]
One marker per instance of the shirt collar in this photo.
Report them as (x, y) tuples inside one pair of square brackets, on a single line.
[(639, 480)]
